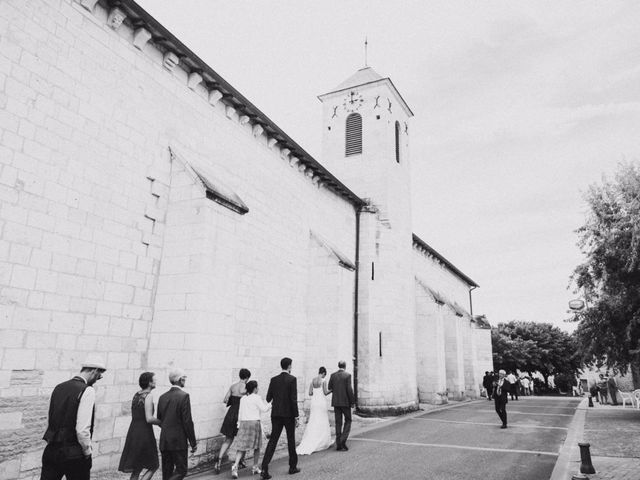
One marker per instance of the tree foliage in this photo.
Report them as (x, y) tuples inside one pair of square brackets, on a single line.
[(533, 346), (609, 326)]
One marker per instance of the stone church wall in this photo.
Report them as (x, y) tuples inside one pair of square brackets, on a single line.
[(452, 351), (109, 245)]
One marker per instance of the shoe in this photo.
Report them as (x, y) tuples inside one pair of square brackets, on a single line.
[(234, 472), (293, 471), (265, 475), (345, 448), (255, 470), (339, 448), (504, 426), (216, 468)]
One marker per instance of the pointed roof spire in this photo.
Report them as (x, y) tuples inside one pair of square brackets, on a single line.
[(362, 76)]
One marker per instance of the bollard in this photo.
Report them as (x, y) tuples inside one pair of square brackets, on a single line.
[(585, 459), (590, 400)]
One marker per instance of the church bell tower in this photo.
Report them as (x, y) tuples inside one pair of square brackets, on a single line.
[(365, 144)]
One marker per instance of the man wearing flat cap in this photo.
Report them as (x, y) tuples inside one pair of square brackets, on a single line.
[(68, 435)]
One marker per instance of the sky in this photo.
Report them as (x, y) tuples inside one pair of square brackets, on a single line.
[(519, 107)]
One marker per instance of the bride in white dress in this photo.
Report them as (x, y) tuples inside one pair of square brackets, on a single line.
[(317, 435)]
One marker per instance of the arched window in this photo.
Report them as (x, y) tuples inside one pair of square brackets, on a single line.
[(397, 141), (353, 143)]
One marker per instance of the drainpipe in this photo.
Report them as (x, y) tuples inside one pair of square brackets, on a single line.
[(355, 308), (470, 300)]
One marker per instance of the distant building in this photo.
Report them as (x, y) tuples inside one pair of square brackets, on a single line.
[(152, 214)]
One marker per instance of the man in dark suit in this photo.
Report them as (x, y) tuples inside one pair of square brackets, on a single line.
[(174, 411), (342, 401), (487, 383), (283, 392), (501, 388)]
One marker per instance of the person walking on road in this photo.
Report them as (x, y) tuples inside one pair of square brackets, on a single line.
[(252, 406), (68, 435), (487, 383), (140, 453), (513, 385), (174, 411), (283, 392), (500, 390), (230, 423), (342, 402)]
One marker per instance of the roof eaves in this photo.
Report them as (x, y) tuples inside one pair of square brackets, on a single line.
[(139, 17), (431, 251)]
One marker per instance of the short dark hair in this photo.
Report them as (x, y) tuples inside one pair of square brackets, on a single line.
[(251, 386), (285, 363), (322, 370), (145, 379), (342, 364), (244, 374)]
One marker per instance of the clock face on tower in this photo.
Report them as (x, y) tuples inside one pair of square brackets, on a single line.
[(353, 101)]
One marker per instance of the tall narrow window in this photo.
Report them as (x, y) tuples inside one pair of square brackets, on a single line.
[(353, 144), (397, 141)]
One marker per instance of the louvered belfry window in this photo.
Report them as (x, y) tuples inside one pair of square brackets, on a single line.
[(353, 144), (398, 142)]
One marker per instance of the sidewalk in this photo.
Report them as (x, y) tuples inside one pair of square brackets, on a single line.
[(614, 435)]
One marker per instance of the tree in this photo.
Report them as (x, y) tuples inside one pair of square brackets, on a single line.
[(534, 347), (609, 327)]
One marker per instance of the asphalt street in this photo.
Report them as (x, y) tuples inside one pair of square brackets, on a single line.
[(462, 443)]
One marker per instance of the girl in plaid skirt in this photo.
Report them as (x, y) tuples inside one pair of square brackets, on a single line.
[(249, 437)]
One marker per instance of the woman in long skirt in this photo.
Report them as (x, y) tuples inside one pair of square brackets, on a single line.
[(252, 406), (230, 423), (140, 453)]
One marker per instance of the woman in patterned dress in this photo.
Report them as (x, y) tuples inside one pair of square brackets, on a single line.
[(252, 406), (140, 453), (230, 423)]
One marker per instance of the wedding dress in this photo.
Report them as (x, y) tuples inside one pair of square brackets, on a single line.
[(317, 435)]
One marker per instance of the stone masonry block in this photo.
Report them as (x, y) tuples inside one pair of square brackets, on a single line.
[(10, 468), (18, 359), (10, 420)]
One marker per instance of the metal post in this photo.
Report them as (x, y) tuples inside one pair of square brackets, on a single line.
[(585, 459)]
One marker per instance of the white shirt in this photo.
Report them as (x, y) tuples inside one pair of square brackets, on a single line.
[(251, 407), (525, 382), (83, 419), (511, 378)]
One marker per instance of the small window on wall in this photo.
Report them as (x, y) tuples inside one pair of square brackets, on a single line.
[(353, 140), (397, 141)]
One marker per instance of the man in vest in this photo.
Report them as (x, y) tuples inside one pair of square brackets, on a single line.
[(68, 435)]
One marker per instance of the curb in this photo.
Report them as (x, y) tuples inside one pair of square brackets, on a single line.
[(569, 451)]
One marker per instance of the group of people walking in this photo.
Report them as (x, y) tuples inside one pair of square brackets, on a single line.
[(71, 419)]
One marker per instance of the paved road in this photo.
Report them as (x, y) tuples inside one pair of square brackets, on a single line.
[(462, 443)]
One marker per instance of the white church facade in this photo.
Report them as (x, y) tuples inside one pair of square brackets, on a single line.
[(152, 215)]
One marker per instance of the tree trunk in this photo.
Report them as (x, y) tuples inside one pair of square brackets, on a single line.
[(635, 370)]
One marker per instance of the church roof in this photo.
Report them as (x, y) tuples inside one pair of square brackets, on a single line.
[(362, 76), (417, 241), (165, 41)]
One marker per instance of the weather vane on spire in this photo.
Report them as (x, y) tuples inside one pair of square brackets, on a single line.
[(366, 43)]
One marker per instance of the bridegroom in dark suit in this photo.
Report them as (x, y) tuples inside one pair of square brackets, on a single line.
[(174, 411), (342, 401), (283, 392)]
